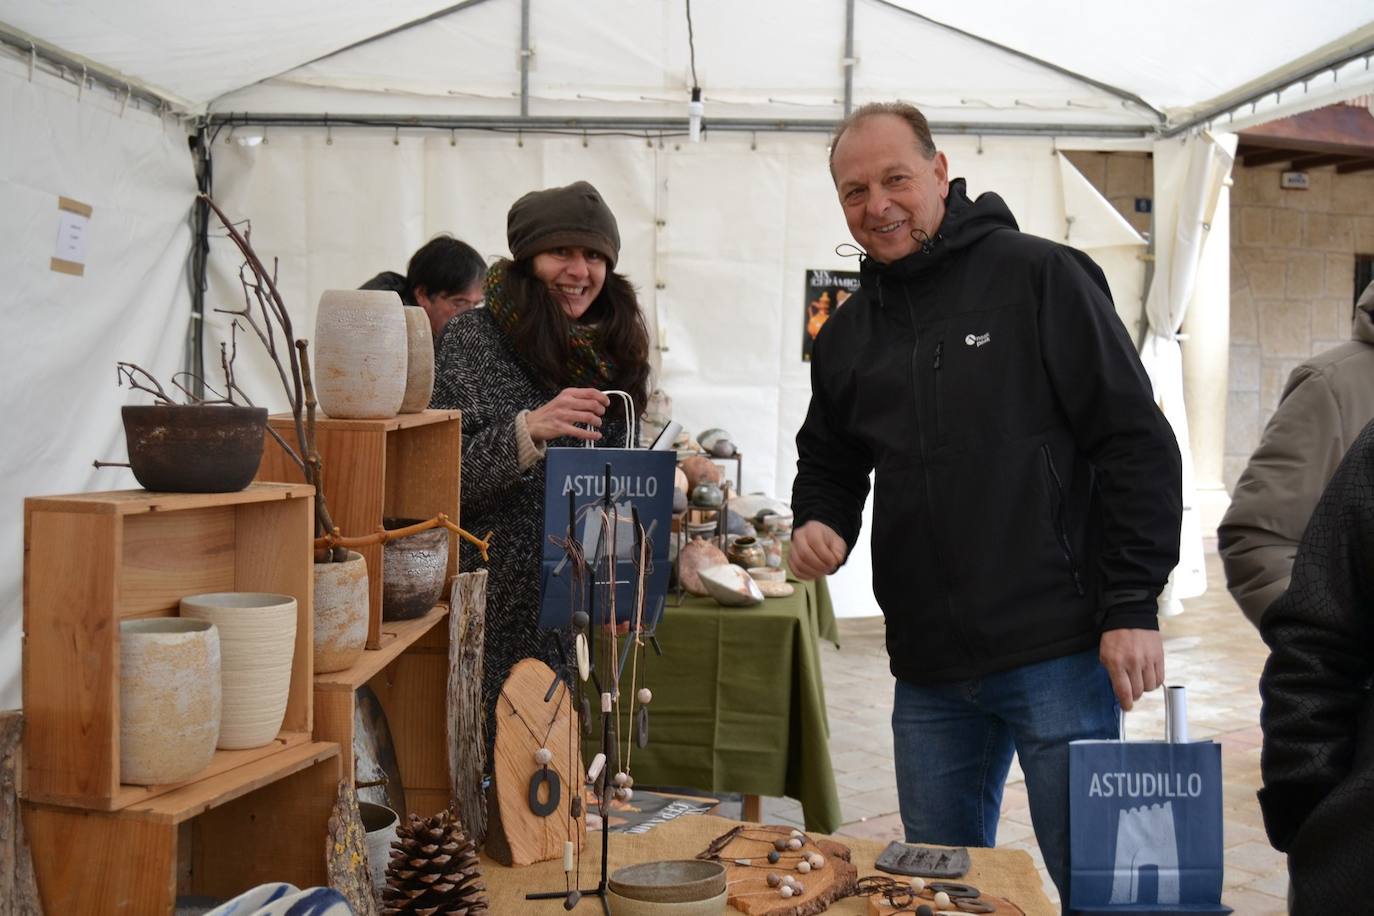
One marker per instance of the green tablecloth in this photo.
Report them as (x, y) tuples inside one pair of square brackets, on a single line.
[(739, 703)]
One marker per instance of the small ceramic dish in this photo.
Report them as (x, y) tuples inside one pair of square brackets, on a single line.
[(670, 883)]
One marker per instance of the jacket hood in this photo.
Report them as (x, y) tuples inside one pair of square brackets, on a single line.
[(1364, 316), (966, 222)]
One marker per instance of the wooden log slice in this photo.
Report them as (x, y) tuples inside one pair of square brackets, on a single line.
[(346, 854), (748, 884)]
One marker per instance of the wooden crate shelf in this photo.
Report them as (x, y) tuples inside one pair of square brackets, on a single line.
[(264, 821), (409, 675), (92, 560), (405, 467)]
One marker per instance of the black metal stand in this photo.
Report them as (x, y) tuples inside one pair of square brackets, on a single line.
[(607, 744)]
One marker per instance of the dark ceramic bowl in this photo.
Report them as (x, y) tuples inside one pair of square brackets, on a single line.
[(194, 448), (414, 570)]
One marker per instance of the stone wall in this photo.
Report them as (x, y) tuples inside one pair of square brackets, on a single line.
[(1292, 286)]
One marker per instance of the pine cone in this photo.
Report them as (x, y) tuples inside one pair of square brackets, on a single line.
[(434, 870)]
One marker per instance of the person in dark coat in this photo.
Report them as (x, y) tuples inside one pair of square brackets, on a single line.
[(1028, 496), (444, 277), (1317, 762), (528, 371)]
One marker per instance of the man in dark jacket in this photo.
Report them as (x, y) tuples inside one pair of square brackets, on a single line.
[(1318, 715), (444, 277), (1028, 496)]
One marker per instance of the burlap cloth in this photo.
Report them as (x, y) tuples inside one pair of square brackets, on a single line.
[(1008, 873)]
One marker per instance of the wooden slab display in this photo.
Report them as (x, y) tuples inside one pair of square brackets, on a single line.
[(466, 721), (18, 887), (515, 834), (346, 854), (748, 883)]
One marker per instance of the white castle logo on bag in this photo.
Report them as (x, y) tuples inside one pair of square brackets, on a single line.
[(1145, 785), (1146, 837)]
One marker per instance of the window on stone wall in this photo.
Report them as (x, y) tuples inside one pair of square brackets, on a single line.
[(1364, 275)]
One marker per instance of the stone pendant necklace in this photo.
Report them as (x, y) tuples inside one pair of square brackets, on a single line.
[(542, 758)]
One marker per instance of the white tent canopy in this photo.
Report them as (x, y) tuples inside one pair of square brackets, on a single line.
[(390, 122)]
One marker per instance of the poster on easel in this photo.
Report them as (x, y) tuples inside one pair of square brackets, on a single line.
[(640, 481), (826, 291)]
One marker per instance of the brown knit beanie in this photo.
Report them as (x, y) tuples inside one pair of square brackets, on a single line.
[(554, 217)]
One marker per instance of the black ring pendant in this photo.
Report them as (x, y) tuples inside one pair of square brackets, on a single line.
[(541, 776), (642, 726)]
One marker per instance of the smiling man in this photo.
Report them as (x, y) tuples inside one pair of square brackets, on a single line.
[(1027, 499)]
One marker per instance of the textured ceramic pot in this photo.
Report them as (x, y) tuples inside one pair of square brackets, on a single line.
[(699, 468), (414, 569), (746, 552), (379, 829), (340, 613), (169, 699), (194, 448), (257, 636), (360, 354), (419, 360), (698, 554), (707, 495)]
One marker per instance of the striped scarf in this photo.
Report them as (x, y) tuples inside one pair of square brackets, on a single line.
[(587, 366)]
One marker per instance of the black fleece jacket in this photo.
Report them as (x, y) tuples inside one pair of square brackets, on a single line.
[(1028, 488)]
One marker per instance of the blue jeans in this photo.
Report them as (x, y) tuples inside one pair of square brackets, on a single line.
[(953, 745)]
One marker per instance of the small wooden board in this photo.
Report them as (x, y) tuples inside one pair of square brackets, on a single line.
[(346, 854), (748, 884), (516, 835)]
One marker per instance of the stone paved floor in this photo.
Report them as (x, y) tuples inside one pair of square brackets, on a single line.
[(1210, 648)]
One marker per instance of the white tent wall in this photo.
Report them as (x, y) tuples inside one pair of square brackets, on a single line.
[(717, 236), (65, 333)]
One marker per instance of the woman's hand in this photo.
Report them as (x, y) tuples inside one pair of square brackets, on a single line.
[(559, 417)]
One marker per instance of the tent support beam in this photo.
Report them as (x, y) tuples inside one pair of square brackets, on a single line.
[(654, 126), (525, 53), (1030, 58), (64, 65), (849, 60), (1326, 64)]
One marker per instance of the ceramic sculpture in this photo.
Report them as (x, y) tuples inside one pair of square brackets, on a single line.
[(169, 699), (419, 360), (360, 354), (341, 607)]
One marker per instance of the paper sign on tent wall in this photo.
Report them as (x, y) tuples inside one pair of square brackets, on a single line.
[(73, 219)]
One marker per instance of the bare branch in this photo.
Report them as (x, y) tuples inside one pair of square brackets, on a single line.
[(130, 372)]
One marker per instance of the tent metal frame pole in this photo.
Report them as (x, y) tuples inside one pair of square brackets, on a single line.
[(525, 54), (88, 71), (849, 60), (1328, 64), (653, 126)]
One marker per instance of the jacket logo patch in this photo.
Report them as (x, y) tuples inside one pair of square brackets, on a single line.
[(977, 340)]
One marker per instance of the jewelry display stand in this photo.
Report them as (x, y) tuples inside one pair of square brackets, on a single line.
[(601, 657)]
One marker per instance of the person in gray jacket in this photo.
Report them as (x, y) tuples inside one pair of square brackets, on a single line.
[(1325, 404)]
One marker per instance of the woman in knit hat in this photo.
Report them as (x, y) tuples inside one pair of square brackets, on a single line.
[(560, 326)]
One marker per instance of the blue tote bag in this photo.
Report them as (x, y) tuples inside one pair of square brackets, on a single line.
[(576, 481), (1145, 823)]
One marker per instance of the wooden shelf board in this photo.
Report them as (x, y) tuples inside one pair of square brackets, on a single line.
[(138, 502), (199, 797), (397, 636), (400, 421)]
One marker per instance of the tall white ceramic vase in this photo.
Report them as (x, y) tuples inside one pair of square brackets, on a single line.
[(169, 699), (419, 360), (257, 641), (360, 354)]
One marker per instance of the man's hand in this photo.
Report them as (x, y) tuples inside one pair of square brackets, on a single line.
[(1135, 661), (816, 551)]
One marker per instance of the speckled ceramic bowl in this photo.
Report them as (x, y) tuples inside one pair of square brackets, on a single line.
[(669, 884)]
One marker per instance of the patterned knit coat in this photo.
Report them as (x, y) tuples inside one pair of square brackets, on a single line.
[(477, 372)]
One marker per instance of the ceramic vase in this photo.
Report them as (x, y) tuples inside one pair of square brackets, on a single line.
[(379, 829), (419, 360), (414, 570), (169, 699), (257, 635), (746, 552), (360, 354), (341, 607)]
